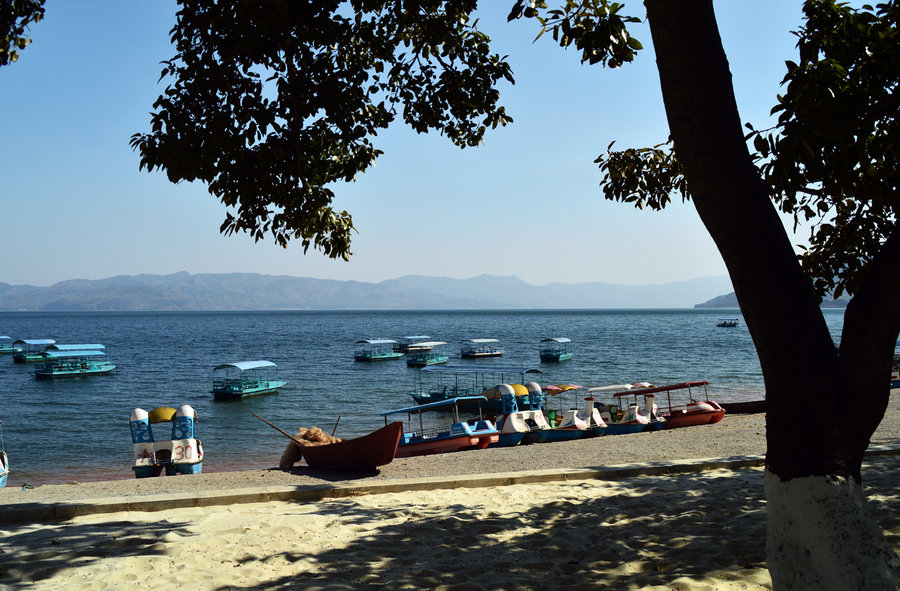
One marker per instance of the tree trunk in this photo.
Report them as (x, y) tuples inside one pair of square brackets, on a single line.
[(816, 505)]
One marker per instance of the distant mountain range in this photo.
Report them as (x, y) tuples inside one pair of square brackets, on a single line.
[(248, 291), (729, 300)]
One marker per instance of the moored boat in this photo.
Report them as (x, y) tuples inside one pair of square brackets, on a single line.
[(72, 361), (481, 348), (441, 382), (411, 343), (4, 460), (555, 349), (440, 435), (361, 453), (624, 415), (693, 411), (181, 454), (376, 350), (233, 381), (895, 371), (425, 353), (30, 350), (516, 426), (6, 345)]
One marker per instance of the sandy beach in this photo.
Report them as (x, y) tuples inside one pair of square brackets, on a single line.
[(540, 516)]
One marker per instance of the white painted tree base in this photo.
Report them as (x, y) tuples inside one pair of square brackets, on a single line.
[(821, 536)]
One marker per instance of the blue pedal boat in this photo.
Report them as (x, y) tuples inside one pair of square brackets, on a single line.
[(181, 454)]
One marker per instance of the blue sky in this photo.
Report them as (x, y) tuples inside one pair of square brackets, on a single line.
[(526, 203)]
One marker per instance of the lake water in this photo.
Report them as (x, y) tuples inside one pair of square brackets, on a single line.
[(64, 430)]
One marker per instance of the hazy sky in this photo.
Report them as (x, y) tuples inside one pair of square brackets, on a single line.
[(526, 203)]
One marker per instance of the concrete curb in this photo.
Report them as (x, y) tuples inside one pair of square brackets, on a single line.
[(62, 511)]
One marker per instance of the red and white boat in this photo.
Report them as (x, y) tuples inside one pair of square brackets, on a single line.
[(443, 435), (694, 412)]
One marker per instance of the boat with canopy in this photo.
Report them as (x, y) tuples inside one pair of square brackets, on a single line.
[(233, 381)]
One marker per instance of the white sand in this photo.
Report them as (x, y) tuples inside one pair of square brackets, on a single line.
[(696, 531)]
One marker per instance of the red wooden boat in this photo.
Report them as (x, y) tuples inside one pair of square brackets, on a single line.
[(366, 452), (695, 412)]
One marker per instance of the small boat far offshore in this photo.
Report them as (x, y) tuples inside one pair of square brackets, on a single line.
[(727, 323), (376, 350), (425, 353), (233, 381), (73, 361), (555, 349), (481, 348), (30, 350)]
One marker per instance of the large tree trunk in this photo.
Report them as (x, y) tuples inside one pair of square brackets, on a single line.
[(820, 534)]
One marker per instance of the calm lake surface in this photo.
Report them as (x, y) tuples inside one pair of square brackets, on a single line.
[(77, 430)]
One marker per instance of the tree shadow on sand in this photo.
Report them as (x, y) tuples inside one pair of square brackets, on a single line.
[(29, 554), (663, 530), (654, 530)]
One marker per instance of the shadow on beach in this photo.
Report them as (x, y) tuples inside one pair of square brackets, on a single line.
[(691, 530)]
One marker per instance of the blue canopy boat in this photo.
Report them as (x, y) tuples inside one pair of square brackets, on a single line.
[(4, 460), (424, 353), (182, 454), (441, 436), (30, 350), (233, 381), (555, 349), (376, 350), (434, 383), (71, 361)]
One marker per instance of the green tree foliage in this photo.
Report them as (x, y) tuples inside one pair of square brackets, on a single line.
[(270, 102), (843, 177), (15, 18), (832, 160)]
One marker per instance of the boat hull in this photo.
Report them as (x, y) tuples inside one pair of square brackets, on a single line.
[(563, 435), (536, 436), (692, 419), (4, 468), (424, 362), (555, 357), (626, 429), (391, 356), (270, 387), (509, 440), (53, 374), (367, 452), (446, 445)]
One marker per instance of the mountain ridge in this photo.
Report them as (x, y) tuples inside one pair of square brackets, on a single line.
[(184, 291)]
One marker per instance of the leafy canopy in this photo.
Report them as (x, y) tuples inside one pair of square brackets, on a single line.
[(271, 101), (15, 18), (841, 178)]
